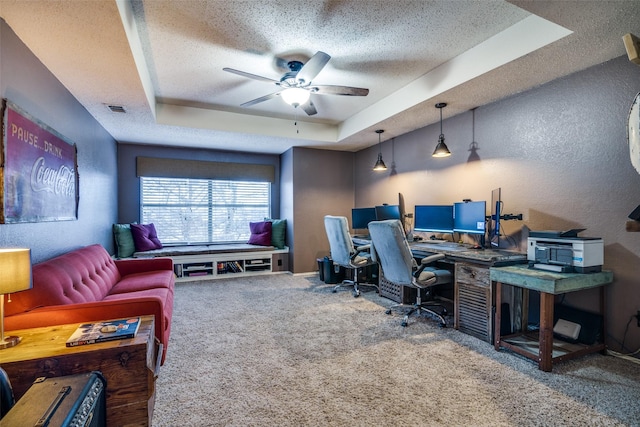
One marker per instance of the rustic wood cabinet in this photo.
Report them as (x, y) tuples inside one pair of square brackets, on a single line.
[(129, 366), (474, 300)]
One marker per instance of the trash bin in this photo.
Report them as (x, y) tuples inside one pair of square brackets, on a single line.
[(331, 274)]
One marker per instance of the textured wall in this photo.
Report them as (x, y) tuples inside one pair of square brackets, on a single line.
[(559, 152), (320, 182), (26, 82)]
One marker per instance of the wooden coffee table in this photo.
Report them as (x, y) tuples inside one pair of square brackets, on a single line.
[(129, 366)]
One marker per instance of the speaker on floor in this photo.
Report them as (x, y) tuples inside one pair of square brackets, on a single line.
[(73, 400)]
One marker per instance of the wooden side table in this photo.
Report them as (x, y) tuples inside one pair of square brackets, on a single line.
[(548, 284), (129, 366)]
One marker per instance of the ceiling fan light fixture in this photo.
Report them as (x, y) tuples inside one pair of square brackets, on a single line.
[(379, 166), (441, 149), (295, 96)]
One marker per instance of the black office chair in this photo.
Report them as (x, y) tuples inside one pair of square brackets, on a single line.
[(391, 249), (344, 254), (6, 394)]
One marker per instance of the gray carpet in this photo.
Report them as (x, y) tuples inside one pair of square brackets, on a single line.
[(282, 350)]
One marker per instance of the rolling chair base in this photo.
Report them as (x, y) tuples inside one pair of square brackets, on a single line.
[(355, 285), (418, 309)]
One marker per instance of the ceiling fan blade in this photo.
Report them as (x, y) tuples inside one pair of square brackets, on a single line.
[(309, 108), (249, 75), (259, 100), (339, 90), (313, 66)]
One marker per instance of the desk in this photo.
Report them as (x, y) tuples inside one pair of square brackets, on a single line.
[(548, 284), (129, 366), (461, 252)]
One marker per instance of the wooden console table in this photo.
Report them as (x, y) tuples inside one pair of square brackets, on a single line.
[(129, 366), (548, 284)]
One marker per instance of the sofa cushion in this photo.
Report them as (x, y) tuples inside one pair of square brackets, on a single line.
[(124, 240), (145, 237), (260, 233), (144, 281)]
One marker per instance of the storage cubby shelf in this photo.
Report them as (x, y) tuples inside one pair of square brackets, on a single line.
[(212, 266)]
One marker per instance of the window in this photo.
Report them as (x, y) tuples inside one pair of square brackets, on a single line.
[(203, 210)]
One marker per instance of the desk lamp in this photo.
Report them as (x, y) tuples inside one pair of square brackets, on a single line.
[(15, 275)]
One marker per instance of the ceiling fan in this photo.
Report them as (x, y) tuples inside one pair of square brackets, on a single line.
[(296, 84)]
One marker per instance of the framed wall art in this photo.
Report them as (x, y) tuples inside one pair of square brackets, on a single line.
[(39, 170)]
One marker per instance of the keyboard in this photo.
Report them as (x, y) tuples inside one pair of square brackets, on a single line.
[(428, 245), (435, 241)]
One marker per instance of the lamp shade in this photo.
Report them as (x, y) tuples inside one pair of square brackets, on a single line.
[(441, 149), (380, 166), (15, 270), (295, 96)]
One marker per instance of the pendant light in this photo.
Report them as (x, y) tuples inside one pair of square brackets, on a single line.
[(379, 166), (441, 149)]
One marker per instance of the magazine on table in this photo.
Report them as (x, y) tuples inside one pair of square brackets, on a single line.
[(108, 330)]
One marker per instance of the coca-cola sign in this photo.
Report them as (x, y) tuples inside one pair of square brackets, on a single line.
[(40, 171)]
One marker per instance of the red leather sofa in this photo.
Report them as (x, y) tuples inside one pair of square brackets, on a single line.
[(87, 285)]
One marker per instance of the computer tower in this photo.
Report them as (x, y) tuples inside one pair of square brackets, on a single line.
[(74, 400)]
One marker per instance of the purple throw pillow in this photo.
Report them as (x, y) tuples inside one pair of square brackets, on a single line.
[(260, 233), (145, 237)]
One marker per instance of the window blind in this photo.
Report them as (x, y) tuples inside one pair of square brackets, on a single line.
[(200, 169)]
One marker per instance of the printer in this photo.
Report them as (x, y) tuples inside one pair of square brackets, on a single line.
[(564, 251)]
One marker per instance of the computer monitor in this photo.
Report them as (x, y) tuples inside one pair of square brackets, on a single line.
[(434, 218), (387, 212), (361, 217), (496, 211), (469, 217)]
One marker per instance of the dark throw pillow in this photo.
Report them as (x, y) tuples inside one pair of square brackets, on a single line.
[(278, 232), (260, 233), (145, 237), (124, 240)]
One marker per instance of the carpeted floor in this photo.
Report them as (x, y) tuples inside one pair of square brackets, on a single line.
[(282, 350)]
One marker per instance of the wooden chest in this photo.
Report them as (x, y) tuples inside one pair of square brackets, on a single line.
[(129, 366)]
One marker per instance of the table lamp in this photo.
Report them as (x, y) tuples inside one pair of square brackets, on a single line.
[(15, 275)]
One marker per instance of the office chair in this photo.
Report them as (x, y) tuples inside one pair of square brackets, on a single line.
[(391, 249), (344, 254)]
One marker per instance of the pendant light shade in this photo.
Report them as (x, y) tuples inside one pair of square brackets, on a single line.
[(379, 166), (441, 149)]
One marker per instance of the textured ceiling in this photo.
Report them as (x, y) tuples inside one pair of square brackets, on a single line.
[(162, 60)]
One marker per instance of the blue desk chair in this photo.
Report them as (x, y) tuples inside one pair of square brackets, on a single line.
[(391, 249), (343, 252)]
